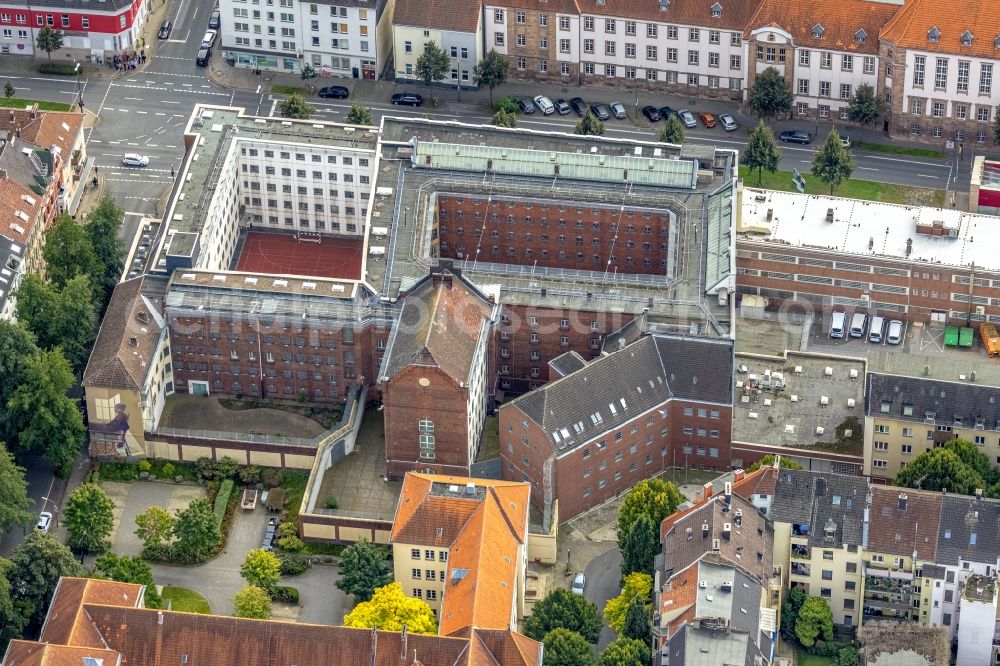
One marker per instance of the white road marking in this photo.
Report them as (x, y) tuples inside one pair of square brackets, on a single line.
[(924, 175), (868, 168), (142, 112), (134, 99), (160, 113), (168, 101)]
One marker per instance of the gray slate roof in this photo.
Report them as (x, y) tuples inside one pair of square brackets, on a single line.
[(566, 363), (695, 646), (617, 387), (946, 399), (815, 499), (126, 341), (10, 252), (961, 518)]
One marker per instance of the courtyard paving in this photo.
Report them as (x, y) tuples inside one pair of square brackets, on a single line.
[(196, 412)]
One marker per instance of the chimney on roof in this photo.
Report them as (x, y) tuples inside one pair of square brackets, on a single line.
[(374, 648), (133, 341), (3, 174), (402, 646), (470, 489)]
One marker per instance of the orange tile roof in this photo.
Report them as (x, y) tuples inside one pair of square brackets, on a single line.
[(913, 21), (841, 21), (677, 601), (19, 208), (64, 624), (553, 6), (30, 653), (761, 481), (43, 128), (735, 13)]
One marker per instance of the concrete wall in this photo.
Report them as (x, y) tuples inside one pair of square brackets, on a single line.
[(543, 547)]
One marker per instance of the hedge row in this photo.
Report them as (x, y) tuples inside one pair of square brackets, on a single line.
[(61, 68), (222, 500)]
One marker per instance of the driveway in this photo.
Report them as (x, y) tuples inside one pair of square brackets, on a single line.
[(603, 583), (321, 599)]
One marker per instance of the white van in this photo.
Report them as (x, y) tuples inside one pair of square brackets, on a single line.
[(838, 324), (208, 41), (877, 330), (545, 105), (858, 324), (895, 335)]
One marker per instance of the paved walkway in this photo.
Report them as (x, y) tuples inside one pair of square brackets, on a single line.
[(356, 481)]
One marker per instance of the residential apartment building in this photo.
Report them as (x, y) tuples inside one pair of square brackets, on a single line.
[(91, 30), (460, 544), (660, 401), (104, 622), (344, 39), (436, 377), (823, 50), (456, 28), (541, 38), (916, 403)]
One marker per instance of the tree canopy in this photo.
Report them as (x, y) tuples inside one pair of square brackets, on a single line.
[(197, 532), (770, 94), (784, 463), (68, 252), (89, 518), (814, 621), (654, 498), (504, 118), (762, 152), (589, 125), (295, 106), (253, 602), (794, 599), (130, 569), (155, 526), (49, 40), (564, 647), (491, 71), (390, 609), (261, 568), (958, 466), (59, 317), (640, 545), (638, 620), (865, 106), (37, 565), (359, 114), (625, 652), (637, 586), (562, 609), (104, 223), (17, 344), (433, 64), (363, 568), (15, 505), (673, 131), (833, 163)]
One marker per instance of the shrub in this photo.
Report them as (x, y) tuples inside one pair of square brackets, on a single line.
[(145, 466), (118, 471), (331, 502), (60, 68), (288, 536), (167, 471), (271, 477), (222, 500), (249, 474), (292, 564), (285, 593), (227, 468), (507, 104)]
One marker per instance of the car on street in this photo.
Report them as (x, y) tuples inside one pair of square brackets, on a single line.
[(687, 118), (600, 111), (579, 106), (845, 141), (526, 105), (165, 29), (202, 58), (707, 119), (410, 99), (215, 20), (666, 112), (579, 582), (618, 109), (728, 122), (44, 521), (652, 115), (334, 92), (208, 41), (545, 105), (135, 160), (562, 107), (795, 136)]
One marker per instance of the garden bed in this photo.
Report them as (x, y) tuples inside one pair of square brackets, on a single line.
[(327, 416)]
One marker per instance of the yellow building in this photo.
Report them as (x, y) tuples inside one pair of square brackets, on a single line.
[(460, 544)]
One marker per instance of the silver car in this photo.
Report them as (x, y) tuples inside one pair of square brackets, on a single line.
[(687, 118), (578, 584), (728, 122), (618, 110), (135, 160)]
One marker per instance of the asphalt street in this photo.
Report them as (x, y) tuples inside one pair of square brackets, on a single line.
[(41, 484), (603, 582)]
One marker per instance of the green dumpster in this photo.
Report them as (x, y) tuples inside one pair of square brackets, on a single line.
[(951, 336), (965, 337)]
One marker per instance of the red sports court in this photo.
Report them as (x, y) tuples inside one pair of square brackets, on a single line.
[(286, 254)]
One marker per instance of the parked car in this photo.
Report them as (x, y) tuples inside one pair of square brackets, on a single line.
[(44, 521), (165, 29), (652, 115), (208, 41), (845, 141), (666, 112), (545, 105), (410, 99), (687, 118), (579, 106), (707, 119), (618, 109), (334, 92), (579, 582), (215, 20), (202, 58), (795, 136), (728, 122), (134, 159), (526, 105), (562, 107), (600, 111), (895, 335)]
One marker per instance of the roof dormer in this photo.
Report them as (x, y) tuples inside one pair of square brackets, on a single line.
[(818, 30), (967, 38), (716, 10), (861, 36), (934, 35)]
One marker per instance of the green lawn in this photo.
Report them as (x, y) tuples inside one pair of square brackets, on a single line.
[(286, 90), (806, 659), (188, 601), (900, 150), (868, 190), (490, 446), (18, 103)]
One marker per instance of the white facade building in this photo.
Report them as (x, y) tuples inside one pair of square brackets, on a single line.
[(460, 34)]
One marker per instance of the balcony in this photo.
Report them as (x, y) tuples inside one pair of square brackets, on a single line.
[(799, 569), (887, 585), (800, 552)]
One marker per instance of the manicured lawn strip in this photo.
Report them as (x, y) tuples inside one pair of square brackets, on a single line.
[(890, 149), (806, 659), (867, 190), (185, 600), (286, 90), (18, 103)]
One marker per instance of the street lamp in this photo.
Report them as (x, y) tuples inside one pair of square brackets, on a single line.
[(458, 77), (79, 91)]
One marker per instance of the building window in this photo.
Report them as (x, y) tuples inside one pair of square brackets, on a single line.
[(940, 73), (919, 65), (963, 76), (985, 79)]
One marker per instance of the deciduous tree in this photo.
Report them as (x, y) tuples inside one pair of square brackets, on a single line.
[(589, 125), (490, 72), (673, 131), (17, 345), (8, 90), (640, 546), (790, 610), (49, 40), (564, 647), (865, 106), (295, 106), (770, 95), (103, 226), (64, 318), (433, 64), (638, 621), (252, 602), (654, 498), (37, 565), (261, 568), (625, 652), (562, 609), (762, 152), (833, 164), (359, 114), (390, 609), (363, 568), (89, 518), (15, 504), (505, 118), (938, 469), (768, 460), (12, 617), (130, 569), (637, 586), (68, 252), (814, 621), (155, 526), (197, 532)]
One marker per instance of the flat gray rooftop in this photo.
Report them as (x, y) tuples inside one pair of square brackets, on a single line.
[(819, 399)]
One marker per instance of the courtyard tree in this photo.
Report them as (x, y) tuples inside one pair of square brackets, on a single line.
[(68, 252), (770, 95), (637, 586), (654, 498), (638, 620), (59, 317), (363, 568), (794, 599), (784, 462), (490, 72), (12, 617), (261, 568), (625, 652), (15, 504), (295, 106), (49, 40), (833, 163), (762, 152), (17, 344), (359, 114), (197, 532), (673, 131), (154, 527), (814, 621), (8, 90), (104, 223), (252, 602), (130, 569), (564, 647), (589, 125), (37, 564), (433, 64), (307, 72), (865, 106), (89, 518), (48, 421), (562, 609), (938, 469), (505, 118), (390, 609), (640, 546)]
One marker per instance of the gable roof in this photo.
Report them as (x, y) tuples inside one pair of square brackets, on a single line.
[(440, 325), (63, 622), (903, 521), (841, 21), (969, 530), (819, 500), (126, 341), (43, 128), (949, 401), (613, 389), (19, 209), (457, 15), (734, 16), (913, 22)]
